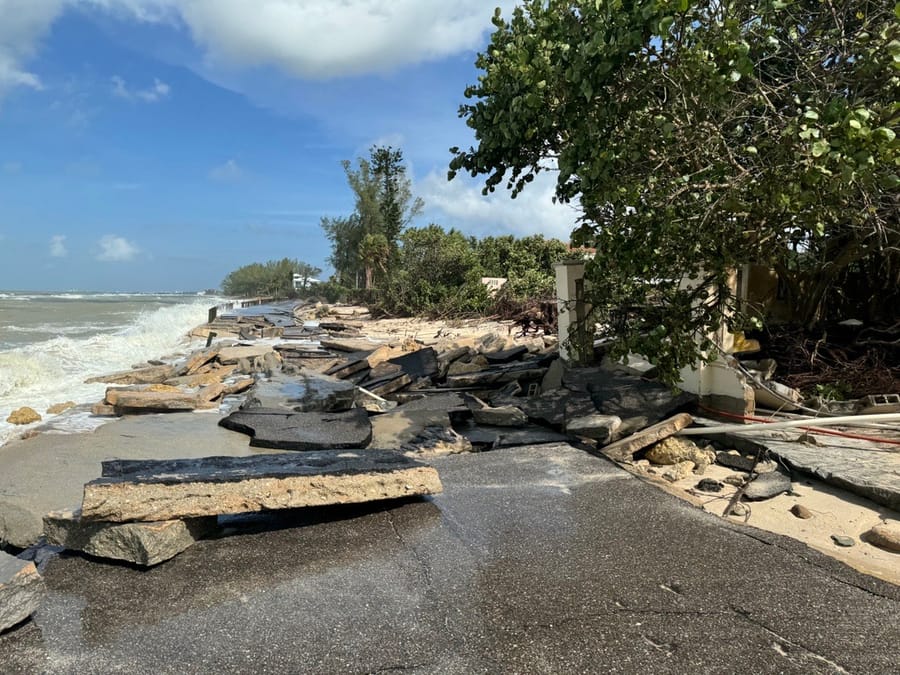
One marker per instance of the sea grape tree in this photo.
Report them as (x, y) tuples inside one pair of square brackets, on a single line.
[(698, 135)]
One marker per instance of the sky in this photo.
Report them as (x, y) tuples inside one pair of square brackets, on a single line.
[(156, 145)]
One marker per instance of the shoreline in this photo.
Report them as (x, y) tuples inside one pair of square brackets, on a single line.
[(833, 506)]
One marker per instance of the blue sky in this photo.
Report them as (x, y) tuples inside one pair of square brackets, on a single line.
[(158, 144)]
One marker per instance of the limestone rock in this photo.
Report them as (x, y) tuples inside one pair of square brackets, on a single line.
[(601, 428), (736, 479), (156, 490), (624, 450), (104, 409), (459, 367), (674, 450), (885, 536), (58, 408), (143, 544), (232, 355), (21, 590), (679, 471), (149, 375), (149, 401), (197, 360), (24, 415)]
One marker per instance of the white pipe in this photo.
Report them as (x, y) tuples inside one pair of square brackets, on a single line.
[(847, 420)]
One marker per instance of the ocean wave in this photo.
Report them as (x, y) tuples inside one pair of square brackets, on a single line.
[(51, 371)]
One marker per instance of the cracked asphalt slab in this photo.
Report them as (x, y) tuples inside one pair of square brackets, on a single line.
[(533, 560)]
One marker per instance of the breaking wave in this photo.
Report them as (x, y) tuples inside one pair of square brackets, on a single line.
[(51, 371)]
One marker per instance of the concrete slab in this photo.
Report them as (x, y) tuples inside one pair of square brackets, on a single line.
[(862, 467), (537, 560), (150, 490), (48, 472), (306, 391), (277, 429)]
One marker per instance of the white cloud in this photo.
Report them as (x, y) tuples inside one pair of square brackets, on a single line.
[(460, 204), (323, 38), (158, 91), (116, 249), (23, 23), (58, 246), (228, 172), (305, 38)]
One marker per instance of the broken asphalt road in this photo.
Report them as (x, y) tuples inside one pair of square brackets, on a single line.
[(538, 559)]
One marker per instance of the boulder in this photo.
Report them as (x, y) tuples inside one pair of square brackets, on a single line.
[(601, 428), (155, 490), (127, 401), (24, 415), (282, 430), (673, 450), (21, 590), (710, 485), (884, 535), (144, 544), (58, 408)]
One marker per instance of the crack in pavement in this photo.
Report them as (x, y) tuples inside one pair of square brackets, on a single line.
[(779, 646)]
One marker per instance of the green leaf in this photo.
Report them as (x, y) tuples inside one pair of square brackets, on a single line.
[(734, 76), (820, 148), (885, 134), (854, 124), (751, 150), (811, 115)]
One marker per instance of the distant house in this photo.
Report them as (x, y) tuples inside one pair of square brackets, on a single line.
[(301, 283), (493, 284)]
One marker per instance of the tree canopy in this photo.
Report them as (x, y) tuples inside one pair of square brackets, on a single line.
[(364, 243), (698, 135), (274, 278)]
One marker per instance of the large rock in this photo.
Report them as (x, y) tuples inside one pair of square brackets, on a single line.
[(500, 416), (601, 428), (674, 450), (628, 396), (58, 408), (302, 431), (884, 535), (127, 401), (768, 485), (231, 355), (143, 544), (21, 590), (418, 364), (166, 490), (306, 392), (24, 415), (623, 450), (148, 375)]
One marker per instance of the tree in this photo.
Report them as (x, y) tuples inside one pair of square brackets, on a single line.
[(699, 135), (384, 205), (274, 278)]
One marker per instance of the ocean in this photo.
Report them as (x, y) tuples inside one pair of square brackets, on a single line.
[(51, 342)]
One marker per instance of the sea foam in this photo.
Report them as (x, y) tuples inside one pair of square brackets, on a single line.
[(52, 371)]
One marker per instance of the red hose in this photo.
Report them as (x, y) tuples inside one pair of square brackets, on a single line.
[(813, 430)]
